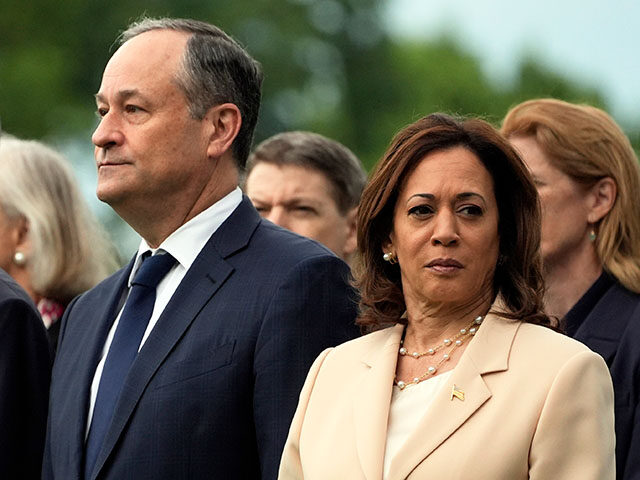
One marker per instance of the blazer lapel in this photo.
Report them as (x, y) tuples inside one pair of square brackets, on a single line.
[(487, 353), (98, 322), (371, 403), (206, 275), (605, 324)]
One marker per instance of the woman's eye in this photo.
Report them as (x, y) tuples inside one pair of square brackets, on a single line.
[(472, 210), (420, 210)]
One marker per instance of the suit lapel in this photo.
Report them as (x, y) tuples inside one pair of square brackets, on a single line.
[(206, 275), (607, 321), (487, 353), (371, 403), (98, 321)]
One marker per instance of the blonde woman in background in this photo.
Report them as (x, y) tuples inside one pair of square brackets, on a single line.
[(588, 178), (50, 243)]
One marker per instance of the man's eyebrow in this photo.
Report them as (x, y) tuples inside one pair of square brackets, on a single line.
[(121, 95), (302, 199)]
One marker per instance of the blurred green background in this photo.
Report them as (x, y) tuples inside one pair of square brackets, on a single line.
[(348, 69)]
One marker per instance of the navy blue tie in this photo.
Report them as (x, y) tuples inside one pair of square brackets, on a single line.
[(124, 349)]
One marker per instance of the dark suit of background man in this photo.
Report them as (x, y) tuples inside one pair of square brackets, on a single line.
[(243, 312), (25, 370)]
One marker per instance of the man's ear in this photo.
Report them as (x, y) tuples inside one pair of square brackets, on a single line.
[(351, 243), (224, 121), (602, 196)]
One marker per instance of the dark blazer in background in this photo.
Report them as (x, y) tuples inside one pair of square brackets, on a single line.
[(607, 320), (25, 370), (215, 386)]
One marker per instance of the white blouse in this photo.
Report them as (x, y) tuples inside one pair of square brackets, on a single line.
[(407, 407)]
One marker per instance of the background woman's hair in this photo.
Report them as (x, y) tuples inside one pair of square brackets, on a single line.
[(518, 275), (70, 252), (587, 145)]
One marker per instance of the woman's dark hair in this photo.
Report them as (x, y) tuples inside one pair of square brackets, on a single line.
[(518, 274)]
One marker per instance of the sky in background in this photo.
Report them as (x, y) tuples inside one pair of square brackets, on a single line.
[(594, 42)]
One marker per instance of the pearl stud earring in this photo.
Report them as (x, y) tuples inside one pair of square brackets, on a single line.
[(19, 258), (390, 257)]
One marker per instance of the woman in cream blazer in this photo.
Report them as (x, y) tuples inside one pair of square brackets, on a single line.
[(523, 402), (470, 382)]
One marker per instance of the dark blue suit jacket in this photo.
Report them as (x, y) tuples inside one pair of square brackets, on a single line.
[(215, 386), (25, 370), (607, 320)]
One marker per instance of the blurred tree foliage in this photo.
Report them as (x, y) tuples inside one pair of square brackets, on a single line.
[(330, 67)]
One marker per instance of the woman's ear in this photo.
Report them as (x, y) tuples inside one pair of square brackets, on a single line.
[(224, 121), (20, 234), (387, 246), (19, 245), (602, 196)]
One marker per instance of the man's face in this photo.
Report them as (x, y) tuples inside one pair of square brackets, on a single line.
[(301, 200), (149, 151)]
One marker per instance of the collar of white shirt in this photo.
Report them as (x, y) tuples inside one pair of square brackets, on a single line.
[(187, 241)]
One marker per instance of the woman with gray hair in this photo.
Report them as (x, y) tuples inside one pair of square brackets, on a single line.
[(49, 241)]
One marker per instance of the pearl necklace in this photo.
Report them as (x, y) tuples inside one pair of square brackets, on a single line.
[(456, 341)]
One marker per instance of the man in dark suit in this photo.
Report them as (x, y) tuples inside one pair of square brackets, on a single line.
[(25, 370), (228, 312)]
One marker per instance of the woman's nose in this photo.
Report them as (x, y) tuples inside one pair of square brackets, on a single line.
[(445, 229)]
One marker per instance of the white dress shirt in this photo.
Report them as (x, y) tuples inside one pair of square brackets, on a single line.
[(184, 245)]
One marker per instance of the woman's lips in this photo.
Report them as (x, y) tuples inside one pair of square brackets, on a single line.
[(444, 265)]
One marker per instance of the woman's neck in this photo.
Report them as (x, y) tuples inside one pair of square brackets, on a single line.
[(567, 281), (429, 326)]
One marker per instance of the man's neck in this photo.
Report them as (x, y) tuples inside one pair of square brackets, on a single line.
[(155, 223)]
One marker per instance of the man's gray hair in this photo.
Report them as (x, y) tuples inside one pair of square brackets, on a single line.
[(215, 70)]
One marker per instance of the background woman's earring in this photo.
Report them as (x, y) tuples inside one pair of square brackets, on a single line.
[(592, 235), (390, 257), (19, 258)]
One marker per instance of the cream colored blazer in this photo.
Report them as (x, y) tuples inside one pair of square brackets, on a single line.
[(536, 405)]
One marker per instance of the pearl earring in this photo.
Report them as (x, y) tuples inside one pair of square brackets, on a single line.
[(19, 258), (390, 257)]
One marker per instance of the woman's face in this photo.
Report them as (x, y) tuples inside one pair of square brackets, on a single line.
[(445, 230), (564, 203)]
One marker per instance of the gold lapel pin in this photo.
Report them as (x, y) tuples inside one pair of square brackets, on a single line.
[(457, 393)]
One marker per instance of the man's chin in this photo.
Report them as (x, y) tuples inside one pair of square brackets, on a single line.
[(109, 195)]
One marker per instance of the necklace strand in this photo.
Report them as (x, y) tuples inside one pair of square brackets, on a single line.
[(456, 341)]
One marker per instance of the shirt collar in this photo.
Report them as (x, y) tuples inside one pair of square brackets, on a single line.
[(189, 239)]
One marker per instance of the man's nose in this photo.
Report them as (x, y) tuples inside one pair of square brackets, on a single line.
[(108, 133), (278, 216)]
